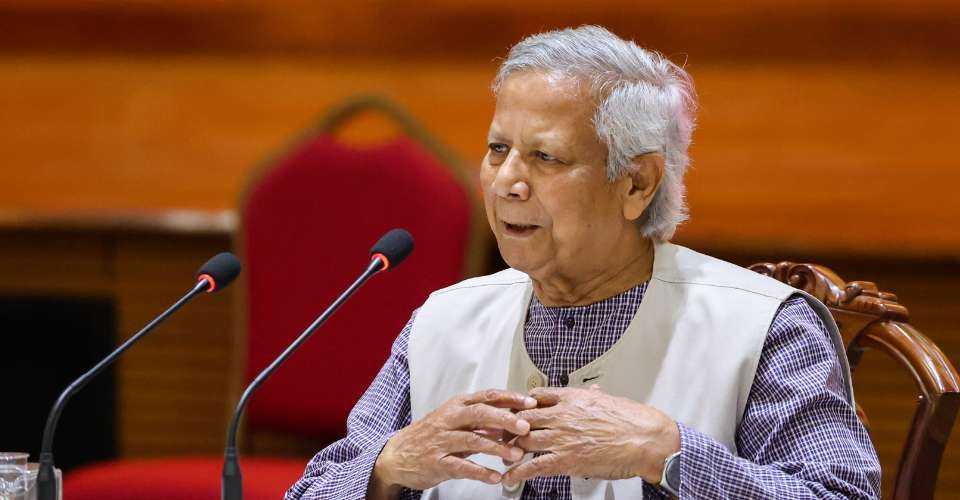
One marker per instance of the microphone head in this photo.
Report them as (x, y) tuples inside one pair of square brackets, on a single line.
[(394, 246), (219, 271)]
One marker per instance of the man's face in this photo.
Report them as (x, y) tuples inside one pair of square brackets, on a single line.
[(546, 193)]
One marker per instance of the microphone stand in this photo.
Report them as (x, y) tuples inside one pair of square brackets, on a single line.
[(232, 486), (46, 477)]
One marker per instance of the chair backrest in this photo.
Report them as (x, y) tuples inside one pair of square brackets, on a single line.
[(870, 319), (308, 222)]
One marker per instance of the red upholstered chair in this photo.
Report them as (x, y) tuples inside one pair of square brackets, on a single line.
[(309, 218)]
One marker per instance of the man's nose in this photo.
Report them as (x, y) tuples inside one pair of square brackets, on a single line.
[(511, 181)]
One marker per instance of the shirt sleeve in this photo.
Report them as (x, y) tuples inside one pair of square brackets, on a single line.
[(342, 470), (799, 438)]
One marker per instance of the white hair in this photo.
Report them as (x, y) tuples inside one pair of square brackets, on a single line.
[(646, 104)]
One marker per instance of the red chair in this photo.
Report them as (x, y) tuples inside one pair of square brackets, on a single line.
[(308, 220)]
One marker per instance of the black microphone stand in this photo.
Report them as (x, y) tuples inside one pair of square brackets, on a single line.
[(232, 486), (46, 477)]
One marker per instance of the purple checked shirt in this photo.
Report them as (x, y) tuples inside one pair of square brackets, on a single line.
[(798, 438)]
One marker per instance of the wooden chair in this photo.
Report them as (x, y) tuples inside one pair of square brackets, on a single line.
[(874, 320)]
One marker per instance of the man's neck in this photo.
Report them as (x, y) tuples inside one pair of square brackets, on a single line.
[(635, 267)]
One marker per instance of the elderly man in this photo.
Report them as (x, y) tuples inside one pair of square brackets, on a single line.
[(607, 362)]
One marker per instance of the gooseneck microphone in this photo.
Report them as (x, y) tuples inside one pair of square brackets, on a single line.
[(215, 275), (387, 253)]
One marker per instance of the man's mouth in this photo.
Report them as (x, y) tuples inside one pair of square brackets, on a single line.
[(519, 229)]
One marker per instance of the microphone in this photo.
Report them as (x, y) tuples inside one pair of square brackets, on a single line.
[(216, 274), (389, 251)]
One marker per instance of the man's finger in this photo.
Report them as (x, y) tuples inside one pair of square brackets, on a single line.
[(537, 441), (501, 399), (495, 434), (459, 468), (464, 441), (539, 418), (545, 465), (509, 438), (481, 416), (548, 396)]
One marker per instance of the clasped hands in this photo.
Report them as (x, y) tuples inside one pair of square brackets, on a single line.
[(580, 432)]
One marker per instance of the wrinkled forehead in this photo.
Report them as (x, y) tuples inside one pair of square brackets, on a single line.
[(538, 99), (547, 85)]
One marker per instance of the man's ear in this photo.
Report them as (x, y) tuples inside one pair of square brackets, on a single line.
[(640, 184)]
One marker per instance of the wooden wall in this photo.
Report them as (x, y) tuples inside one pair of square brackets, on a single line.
[(826, 128), (821, 126)]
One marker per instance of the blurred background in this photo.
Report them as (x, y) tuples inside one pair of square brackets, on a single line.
[(129, 131)]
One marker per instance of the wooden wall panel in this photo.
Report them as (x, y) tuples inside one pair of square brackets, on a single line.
[(731, 29), (797, 155), (34, 264), (174, 388)]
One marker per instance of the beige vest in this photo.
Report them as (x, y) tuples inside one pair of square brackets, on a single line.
[(691, 350)]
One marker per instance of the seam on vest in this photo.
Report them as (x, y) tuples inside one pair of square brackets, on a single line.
[(454, 288), (681, 282)]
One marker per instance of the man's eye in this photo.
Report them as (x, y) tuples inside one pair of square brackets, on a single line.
[(498, 148), (545, 157)]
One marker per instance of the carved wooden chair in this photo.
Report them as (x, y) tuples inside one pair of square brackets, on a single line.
[(870, 319)]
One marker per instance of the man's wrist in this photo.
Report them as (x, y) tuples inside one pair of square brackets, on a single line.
[(651, 456), (670, 446), (382, 483)]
